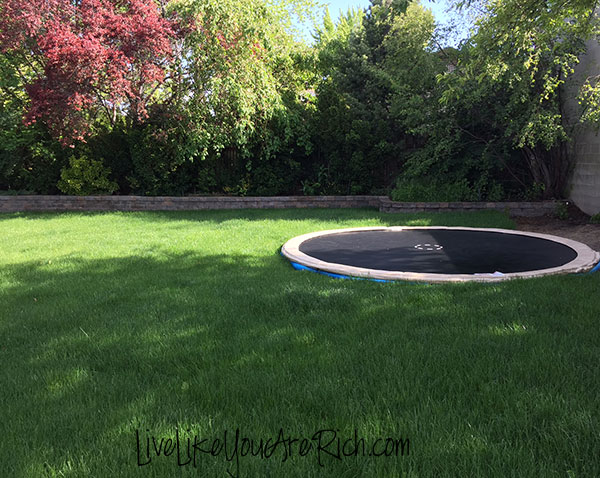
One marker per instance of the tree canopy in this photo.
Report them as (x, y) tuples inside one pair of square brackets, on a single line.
[(78, 59), (223, 96)]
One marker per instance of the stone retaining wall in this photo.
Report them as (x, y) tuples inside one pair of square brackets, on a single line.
[(192, 203), (530, 209), (189, 203)]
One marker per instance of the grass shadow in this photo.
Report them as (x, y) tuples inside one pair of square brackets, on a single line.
[(473, 219), (480, 377)]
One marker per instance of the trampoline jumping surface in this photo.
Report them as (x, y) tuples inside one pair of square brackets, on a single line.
[(438, 254)]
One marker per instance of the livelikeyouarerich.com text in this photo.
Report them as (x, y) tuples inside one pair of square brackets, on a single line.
[(187, 448)]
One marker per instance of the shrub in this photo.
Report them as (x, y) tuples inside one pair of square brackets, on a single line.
[(421, 191), (85, 177), (562, 210)]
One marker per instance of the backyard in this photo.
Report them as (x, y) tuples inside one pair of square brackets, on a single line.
[(123, 330)]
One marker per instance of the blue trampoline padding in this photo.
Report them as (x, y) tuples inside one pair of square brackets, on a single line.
[(300, 267), (596, 268)]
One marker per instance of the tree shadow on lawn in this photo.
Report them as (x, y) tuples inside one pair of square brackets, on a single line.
[(479, 377), (474, 219)]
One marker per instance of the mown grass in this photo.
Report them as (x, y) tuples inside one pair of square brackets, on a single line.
[(117, 322)]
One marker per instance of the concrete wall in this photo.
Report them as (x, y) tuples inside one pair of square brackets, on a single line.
[(584, 185), (585, 179)]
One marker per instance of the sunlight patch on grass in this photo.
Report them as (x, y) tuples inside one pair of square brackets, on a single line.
[(419, 222), (66, 382), (509, 329), (306, 339)]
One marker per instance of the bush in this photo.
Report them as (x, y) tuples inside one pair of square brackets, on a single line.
[(85, 177), (595, 219), (421, 191), (562, 210)]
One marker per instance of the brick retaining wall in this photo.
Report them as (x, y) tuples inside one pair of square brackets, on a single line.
[(191, 203)]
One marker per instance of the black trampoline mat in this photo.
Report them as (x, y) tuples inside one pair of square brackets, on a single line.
[(439, 251)]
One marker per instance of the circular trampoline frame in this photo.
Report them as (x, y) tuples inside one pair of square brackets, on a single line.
[(585, 260)]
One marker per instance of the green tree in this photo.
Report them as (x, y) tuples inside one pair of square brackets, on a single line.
[(30, 160), (437, 164), (358, 142), (243, 76), (515, 70)]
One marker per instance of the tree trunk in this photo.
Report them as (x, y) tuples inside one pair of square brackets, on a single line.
[(549, 168)]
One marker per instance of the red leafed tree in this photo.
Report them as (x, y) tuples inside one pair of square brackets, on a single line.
[(85, 57)]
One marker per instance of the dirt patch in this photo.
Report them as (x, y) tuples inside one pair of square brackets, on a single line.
[(577, 226)]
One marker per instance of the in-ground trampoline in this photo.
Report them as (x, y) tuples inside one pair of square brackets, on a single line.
[(438, 254)]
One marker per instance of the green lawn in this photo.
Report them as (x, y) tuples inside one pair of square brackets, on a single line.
[(113, 323)]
